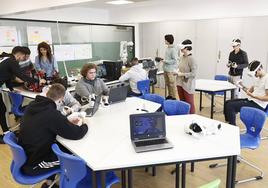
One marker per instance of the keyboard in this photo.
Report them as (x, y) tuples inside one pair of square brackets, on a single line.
[(150, 142)]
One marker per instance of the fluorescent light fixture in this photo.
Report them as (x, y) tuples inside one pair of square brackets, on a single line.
[(119, 2)]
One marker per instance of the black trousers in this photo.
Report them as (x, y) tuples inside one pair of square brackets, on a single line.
[(232, 107), (3, 121)]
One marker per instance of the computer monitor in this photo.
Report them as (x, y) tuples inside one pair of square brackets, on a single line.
[(113, 69)]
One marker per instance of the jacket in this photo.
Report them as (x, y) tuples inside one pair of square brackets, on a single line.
[(170, 62), (241, 59), (40, 125), (9, 68), (134, 74)]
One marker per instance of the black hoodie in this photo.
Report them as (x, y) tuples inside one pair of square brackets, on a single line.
[(9, 68), (40, 125)]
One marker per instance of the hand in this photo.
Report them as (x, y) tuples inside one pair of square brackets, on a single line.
[(234, 65), (16, 91), (250, 94), (75, 120), (181, 74), (42, 81)]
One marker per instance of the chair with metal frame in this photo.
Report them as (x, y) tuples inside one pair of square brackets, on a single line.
[(144, 86), (254, 120), (153, 79)]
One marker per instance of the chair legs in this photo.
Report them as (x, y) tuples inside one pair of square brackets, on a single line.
[(192, 168)]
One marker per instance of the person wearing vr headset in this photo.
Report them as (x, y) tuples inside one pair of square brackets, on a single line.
[(238, 60), (186, 75), (257, 94)]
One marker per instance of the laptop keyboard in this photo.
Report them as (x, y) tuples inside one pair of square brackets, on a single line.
[(150, 142)]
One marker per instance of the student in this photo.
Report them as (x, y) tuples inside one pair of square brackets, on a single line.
[(170, 66), (186, 75), (133, 75), (40, 125), (9, 68), (45, 61), (238, 60), (89, 84), (257, 94)]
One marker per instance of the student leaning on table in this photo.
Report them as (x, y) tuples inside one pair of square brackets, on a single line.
[(40, 125), (186, 75), (257, 94), (89, 84)]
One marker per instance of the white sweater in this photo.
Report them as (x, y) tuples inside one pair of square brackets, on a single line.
[(134, 74)]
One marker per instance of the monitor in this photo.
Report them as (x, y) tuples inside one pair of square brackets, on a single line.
[(113, 69)]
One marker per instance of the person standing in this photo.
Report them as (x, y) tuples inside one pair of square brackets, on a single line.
[(9, 68), (45, 61), (170, 66), (238, 60), (186, 75)]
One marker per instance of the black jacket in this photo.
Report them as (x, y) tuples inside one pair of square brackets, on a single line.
[(241, 59), (40, 125), (9, 68)]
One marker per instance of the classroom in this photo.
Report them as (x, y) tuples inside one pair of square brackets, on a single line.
[(133, 94)]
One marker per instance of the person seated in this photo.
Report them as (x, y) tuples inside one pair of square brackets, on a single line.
[(40, 125), (257, 94), (133, 75), (89, 84), (45, 62)]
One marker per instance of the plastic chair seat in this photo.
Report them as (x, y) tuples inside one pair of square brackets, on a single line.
[(249, 141)]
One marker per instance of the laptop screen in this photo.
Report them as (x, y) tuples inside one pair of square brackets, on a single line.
[(147, 125)]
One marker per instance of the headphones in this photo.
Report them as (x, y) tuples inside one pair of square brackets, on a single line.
[(199, 131)]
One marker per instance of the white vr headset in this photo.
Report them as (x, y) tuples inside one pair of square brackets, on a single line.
[(182, 46), (234, 43), (199, 131), (253, 73)]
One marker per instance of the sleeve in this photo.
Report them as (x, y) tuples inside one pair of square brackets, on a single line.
[(245, 61), (55, 64), (18, 73), (266, 83), (9, 85), (193, 68), (37, 63), (66, 129), (105, 89), (124, 77), (173, 57), (81, 89), (70, 101)]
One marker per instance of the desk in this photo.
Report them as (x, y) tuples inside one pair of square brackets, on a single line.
[(107, 145), (211, 87)]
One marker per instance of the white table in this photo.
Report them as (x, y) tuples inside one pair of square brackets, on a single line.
[(107, 144), (211, 87)]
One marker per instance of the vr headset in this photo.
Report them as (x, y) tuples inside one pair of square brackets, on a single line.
[(199, 131)]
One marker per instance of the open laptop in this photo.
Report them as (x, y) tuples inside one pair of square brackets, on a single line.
[(148, 132), (92, 110), (118, 94)]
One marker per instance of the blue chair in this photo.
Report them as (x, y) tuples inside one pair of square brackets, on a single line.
[(155, 98), (19, 158), (176, 107), (75, 173), (16, 104), (222, 78), (144, 86)]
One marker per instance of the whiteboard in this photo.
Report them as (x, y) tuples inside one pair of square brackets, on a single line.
[(82, 51), (8, 36), (39, 34), (64, 52)]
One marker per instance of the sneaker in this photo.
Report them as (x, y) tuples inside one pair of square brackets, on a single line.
[(1, 139)]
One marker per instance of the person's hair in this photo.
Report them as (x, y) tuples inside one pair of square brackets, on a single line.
[(47, 47), (18, 49), (253, 65), (56, 91), (187, 41), (134, 61), (60, 81), (169, 38), (86, 68), (26, 50)]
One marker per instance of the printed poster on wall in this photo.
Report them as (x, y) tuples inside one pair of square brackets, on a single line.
[(8, 36), (39, 34), (83, 51), (64, 52), (6, 49)]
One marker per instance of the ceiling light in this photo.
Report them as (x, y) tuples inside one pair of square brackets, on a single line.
[(119, 2)]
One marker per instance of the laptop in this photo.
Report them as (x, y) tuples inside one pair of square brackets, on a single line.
[(118, 94), (92, 110), (148, 132)]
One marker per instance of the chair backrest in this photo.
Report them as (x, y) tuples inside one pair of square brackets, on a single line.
[(221, 77), (73, 169), (253, 119), (144, 86), (18, 154), (152, 76), (16, 102), (176, 107), (154, 98), (214, 184)]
